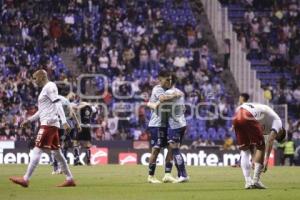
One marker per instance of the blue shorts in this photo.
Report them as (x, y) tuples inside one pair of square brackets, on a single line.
[(71, 123), (176, 135), (158, 137)]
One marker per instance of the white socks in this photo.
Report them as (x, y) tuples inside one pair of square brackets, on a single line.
[(246, 165), (257, 171), (63, 163), (34, 161)]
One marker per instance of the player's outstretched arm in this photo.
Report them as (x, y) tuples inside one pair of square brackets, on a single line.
[(82, 104), (269, 147), (153, 105), (168, 97)]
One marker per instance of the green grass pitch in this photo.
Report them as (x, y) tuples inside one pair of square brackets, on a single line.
[(129, 182)]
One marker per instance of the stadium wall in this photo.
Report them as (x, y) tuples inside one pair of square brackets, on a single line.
[(102, 156), (206, 156)]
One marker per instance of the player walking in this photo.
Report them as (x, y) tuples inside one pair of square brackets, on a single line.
[(49, 111)]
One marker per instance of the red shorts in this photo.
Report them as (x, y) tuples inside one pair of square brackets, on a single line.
[(48, 138), (247, 129)]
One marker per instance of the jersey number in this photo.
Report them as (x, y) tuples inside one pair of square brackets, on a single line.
[(39, 135)]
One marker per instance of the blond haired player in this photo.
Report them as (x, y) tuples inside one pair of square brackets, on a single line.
[(49, 111)]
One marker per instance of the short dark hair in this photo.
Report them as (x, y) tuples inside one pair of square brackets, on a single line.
[(246, 96), (174, 79), (164, 73)]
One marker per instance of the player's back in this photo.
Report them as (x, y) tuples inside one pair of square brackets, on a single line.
[(265, 115), (46, 105), (156, 115), (156, 92), (177, 103), (86, 113), (176, 116)]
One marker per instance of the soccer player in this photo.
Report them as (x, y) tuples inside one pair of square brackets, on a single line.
[(83, 138), (243, 163), (244, 98), (65, 138), (251, 122), (177, 125), (49, 111), (158, 121)]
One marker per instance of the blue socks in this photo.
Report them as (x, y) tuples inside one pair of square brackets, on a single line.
[(179, 162)]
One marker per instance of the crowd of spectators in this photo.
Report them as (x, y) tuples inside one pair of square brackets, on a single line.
[(128, 42), (27, 42), (133, 43), (270, 31)]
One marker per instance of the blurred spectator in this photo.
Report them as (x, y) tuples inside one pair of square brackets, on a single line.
[(289, 150), (144, 136), (228, 143), (198, 143), (268, 93), (296, 94), (180, 61), (226, 53)]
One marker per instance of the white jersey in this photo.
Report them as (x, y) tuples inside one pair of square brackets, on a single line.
[(176, 118), (46, 105), (266, 116), (156, 117)]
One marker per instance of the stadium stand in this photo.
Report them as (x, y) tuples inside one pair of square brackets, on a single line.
[(269, 33), (126, 41)]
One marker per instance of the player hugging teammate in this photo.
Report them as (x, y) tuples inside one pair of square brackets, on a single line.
[(167, 127), (50, 112)]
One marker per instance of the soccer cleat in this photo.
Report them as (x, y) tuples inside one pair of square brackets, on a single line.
[(19, 181), (68, 183), (168, 178), (56, 172), (258, 185), (182, 179), (248, 185), (53, 172), (152, 179)]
